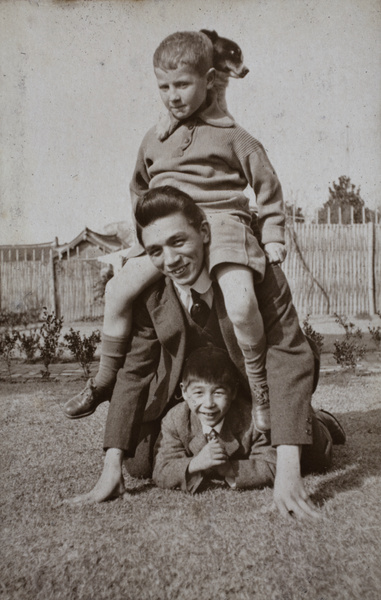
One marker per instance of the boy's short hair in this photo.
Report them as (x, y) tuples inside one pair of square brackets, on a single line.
[(211, 365), (191, 48), (162, 202)]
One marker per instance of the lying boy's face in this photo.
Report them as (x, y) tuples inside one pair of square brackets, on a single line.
[(210, 402), (182, 90)]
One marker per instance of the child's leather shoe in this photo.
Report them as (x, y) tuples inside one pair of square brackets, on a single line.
[(261, 409), (86, 402)]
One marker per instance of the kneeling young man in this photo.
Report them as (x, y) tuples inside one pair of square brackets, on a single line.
[(175, 235)]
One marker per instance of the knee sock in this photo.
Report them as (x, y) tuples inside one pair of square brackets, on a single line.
[(113, 354), (255, 361)]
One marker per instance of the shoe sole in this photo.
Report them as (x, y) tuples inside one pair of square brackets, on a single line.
[(343, 438), (91, 412)]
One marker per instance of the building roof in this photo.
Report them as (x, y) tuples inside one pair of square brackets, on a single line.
[(105, 243)]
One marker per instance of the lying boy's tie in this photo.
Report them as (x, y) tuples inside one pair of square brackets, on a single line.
[(212, 435)]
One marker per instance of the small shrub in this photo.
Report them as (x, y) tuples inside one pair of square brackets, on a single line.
[(29, 343), (348, 353), (8, 341), (83, 349), (310, 332), (50, 334), (350, 350), (13, 319)]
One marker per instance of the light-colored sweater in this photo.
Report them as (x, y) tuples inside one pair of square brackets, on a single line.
[(213, 159)]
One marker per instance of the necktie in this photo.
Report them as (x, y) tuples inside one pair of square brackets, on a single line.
[(200, 310), (212, 435)]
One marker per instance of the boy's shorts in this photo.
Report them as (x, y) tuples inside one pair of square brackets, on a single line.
[(233, 241)]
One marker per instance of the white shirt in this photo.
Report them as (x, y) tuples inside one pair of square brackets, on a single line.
[(202, 285)]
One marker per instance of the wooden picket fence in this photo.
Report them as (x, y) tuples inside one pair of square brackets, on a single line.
[(66, 287), (334, 268), (330, 268)]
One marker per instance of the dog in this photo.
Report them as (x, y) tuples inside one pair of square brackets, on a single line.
[(228, 62)]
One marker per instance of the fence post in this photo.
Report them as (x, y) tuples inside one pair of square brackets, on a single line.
[(53, 276), (371, 267)]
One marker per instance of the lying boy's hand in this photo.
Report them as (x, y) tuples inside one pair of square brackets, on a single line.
[(211, 455), (275, 252)]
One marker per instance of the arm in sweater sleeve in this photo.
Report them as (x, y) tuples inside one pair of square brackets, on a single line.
[(262, 178), (140, 179)]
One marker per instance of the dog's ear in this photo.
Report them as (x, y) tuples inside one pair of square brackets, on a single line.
[(212, 35)]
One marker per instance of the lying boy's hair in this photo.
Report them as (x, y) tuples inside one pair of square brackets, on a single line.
[(190, 48), (162, 202), (211, 365)]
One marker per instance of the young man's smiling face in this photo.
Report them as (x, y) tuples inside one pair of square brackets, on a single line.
[(182, 90), (176, 248), (209, 401)]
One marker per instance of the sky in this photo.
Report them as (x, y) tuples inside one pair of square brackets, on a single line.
[(79, 93)]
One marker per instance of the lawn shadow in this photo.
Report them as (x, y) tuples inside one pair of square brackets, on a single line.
[(358, 459)]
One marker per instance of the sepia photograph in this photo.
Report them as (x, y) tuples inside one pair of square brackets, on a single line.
[(190, 412)]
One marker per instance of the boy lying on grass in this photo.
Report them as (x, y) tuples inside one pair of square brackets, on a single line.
[(212, 436)]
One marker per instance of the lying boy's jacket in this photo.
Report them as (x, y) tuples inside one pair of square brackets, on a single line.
[(182, 438)]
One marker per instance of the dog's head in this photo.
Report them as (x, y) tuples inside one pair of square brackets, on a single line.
[(227, 55)]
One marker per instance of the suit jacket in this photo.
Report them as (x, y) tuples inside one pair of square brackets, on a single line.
[(181, 438), (152, 370)]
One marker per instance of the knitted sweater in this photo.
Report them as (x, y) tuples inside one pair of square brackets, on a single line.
[(213, 159)]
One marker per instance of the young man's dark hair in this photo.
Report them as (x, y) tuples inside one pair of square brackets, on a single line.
[(163, 201)]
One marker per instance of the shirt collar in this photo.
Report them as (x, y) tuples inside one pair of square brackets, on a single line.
[(201, 285), (212, 115), (207, 429)]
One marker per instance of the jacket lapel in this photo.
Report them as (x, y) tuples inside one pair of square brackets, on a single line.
[(229, 435), (169, 322), (196, 438)]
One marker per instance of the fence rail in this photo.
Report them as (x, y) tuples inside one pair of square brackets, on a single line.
[(330, 268)]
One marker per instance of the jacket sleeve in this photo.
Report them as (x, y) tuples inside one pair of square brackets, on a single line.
[(172, 460), (258, 469), (290, 363), (131, 390)]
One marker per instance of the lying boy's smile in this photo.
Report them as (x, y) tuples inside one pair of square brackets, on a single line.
[(183, 90), (209, 401)]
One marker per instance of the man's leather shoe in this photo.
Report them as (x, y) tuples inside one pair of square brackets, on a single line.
[(332, 424), (86, 402)]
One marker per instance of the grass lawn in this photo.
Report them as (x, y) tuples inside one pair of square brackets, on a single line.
[(163, 545)]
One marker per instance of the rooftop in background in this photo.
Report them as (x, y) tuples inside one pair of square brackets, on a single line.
[(87, 244)]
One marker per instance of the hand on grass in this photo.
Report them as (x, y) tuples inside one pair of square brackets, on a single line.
[(275, 252), (109, 485), (290, 495), (211, 455)]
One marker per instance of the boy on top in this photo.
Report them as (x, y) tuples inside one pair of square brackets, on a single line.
[(211, 435), (212, 159)]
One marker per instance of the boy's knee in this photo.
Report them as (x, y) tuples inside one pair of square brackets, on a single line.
[(243, 311)]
